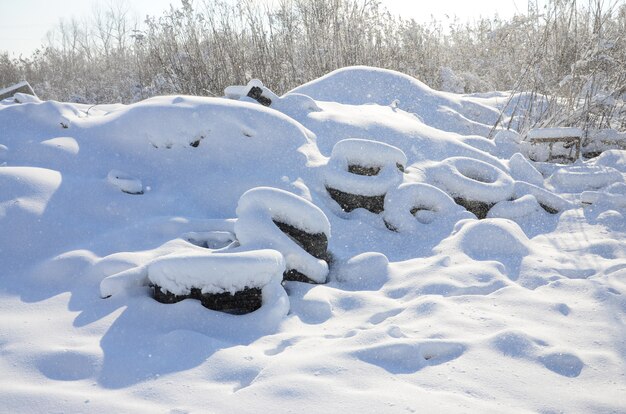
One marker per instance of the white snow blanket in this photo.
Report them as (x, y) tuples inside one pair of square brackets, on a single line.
[(520, 313)]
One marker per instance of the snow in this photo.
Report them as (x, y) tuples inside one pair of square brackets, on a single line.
[(364, 153), (517, 312)]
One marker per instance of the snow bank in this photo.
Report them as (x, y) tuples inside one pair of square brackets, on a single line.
[(472, 179), (258, 210), (386, 163), (216, 272)]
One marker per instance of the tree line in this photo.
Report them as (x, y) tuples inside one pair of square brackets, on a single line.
[(569, 52)]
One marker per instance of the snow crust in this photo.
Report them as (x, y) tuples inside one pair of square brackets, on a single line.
[(456, 315)]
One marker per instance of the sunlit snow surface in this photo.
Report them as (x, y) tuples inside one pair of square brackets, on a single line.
[(522, 312)]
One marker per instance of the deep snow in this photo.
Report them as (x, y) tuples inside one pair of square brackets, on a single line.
[(524, 311)]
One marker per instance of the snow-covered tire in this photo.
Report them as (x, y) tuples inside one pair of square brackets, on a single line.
[(412, 204), (241, 302), (549, 201), (474, 184), (578, 178), (360, 172), (230, 282), (279, 220)]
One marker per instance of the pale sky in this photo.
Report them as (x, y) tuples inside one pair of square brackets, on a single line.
[(24, 23)]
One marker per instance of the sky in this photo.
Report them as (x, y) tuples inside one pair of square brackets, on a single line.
[(24, 23)]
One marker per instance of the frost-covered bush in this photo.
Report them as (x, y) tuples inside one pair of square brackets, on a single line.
[(360, 172), (279, 220)]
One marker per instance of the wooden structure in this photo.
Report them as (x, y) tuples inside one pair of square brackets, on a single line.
[(22, 87), (555, 144)]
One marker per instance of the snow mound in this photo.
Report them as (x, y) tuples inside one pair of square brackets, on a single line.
[(359, 85), (125, 182), (472, 179), (366, 270), (494, 239), (258, 211), (66, 144), (382, 166), (414, 204), (578, 178), (216, 272)]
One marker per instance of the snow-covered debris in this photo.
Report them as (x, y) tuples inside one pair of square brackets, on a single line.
[(22, 87), (522, 170), (541, 296), (414, 204), (360, 170), (262, 210), (579, 178), (474, 184), (595, 197), (552, 203), (603, 140), (216, 272), (612, 158), (254, 90), (513, 209)]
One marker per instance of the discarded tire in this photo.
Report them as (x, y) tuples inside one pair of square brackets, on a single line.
[(550, 202), (245, 301), (474, 184), (413, 204), (277, 219), (229, 282), (360, 172)]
